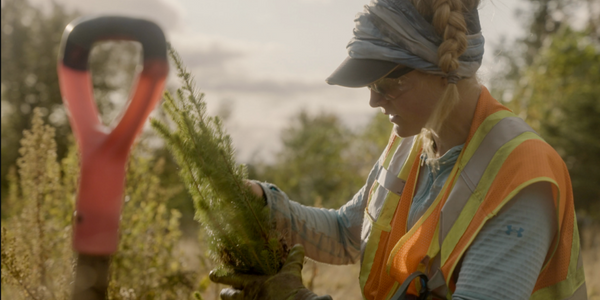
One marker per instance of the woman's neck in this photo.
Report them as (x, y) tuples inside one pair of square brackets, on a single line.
[(456, 127)]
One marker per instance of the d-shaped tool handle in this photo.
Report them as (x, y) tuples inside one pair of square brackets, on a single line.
[(80, 35), (104, 151)]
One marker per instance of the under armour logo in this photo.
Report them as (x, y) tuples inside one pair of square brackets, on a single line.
[(519, 231)]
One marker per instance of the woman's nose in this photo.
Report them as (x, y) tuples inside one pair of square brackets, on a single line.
[(376, 99)]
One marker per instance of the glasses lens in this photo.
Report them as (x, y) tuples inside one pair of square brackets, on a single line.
[(385, 85)]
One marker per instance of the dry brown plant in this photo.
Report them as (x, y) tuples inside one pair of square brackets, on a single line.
[(37, 258)]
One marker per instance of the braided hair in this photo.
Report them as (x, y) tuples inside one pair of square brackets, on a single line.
[(447, 17)]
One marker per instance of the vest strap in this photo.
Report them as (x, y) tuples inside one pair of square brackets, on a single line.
[(580, 293), (437, 280), (501, 156), (401, 291)]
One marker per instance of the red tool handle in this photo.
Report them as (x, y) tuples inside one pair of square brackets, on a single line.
[(104, 151)]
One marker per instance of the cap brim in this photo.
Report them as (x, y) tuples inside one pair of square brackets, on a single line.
[(355, 72)]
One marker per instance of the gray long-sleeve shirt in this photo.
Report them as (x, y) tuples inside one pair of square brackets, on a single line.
[(503, 262)]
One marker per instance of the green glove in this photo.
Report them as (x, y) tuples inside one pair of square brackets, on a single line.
[(287, 284)]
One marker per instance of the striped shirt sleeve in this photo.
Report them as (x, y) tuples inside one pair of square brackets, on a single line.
[(328, 235), (507, 256)]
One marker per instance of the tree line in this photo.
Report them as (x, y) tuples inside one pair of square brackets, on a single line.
[(549, 77)]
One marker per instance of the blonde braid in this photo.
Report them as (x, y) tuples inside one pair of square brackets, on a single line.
[(449, 22)]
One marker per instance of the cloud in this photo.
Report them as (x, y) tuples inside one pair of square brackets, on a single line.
[(273, 87), (219, 63), (216, 56), (167, 13), (262, 100), (262, 65), (256, 121), (230, 65), (206, 51)]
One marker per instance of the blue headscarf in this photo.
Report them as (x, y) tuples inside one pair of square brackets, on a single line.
[(393, 30)]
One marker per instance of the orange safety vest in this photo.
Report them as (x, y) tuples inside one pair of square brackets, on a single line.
[(501, 156)]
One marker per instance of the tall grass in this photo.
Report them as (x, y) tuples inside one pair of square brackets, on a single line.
[(590, 250), (37, 258)]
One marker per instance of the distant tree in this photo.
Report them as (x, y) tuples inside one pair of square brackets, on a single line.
[(30, 40), (559, 95), (550, 79), (369, 143), (540, 21), (322, 161), (311, 166)]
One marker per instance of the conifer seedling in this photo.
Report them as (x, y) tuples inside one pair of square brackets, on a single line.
[(240, 234)]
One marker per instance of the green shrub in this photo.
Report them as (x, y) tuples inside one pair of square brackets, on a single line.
[(238, 226), (37, 258)]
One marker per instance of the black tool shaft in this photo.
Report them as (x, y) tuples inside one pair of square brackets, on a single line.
[(91, 277)]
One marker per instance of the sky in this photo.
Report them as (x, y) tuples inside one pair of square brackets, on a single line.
[(267, 59)]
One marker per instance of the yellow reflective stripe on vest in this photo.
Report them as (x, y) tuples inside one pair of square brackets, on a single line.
[(470, 208), (575, 280), (406, 152), (481, 133), (421, 220), (497, 130), (387, 180), (389, 176), (368, 254), (392, 149), (502, 132), (499, 160), (412, 153)]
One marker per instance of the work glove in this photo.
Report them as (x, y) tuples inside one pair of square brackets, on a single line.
[(286, 284)]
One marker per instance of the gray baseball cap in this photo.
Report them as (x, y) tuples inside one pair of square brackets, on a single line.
[(354, 72)]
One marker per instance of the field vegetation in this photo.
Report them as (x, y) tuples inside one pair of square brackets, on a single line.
[(551, 80)]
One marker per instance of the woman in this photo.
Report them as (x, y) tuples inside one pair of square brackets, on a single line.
[(466, 202)]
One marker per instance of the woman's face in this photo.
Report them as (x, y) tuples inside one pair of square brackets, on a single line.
[(409, 103)]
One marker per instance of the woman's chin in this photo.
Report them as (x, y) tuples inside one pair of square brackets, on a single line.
[(404, 132)]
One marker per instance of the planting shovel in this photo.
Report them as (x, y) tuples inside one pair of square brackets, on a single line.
[(104, 151)]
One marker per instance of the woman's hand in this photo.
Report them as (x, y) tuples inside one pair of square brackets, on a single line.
[(287, 284)]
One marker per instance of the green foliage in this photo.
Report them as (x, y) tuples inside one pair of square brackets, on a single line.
[(370, 142), (560, 96), (30, 39), (148, 265), (323, 162), (551, 80), (29, 76), (541, 21), (37, 259), (316, 147), (237, 222)]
